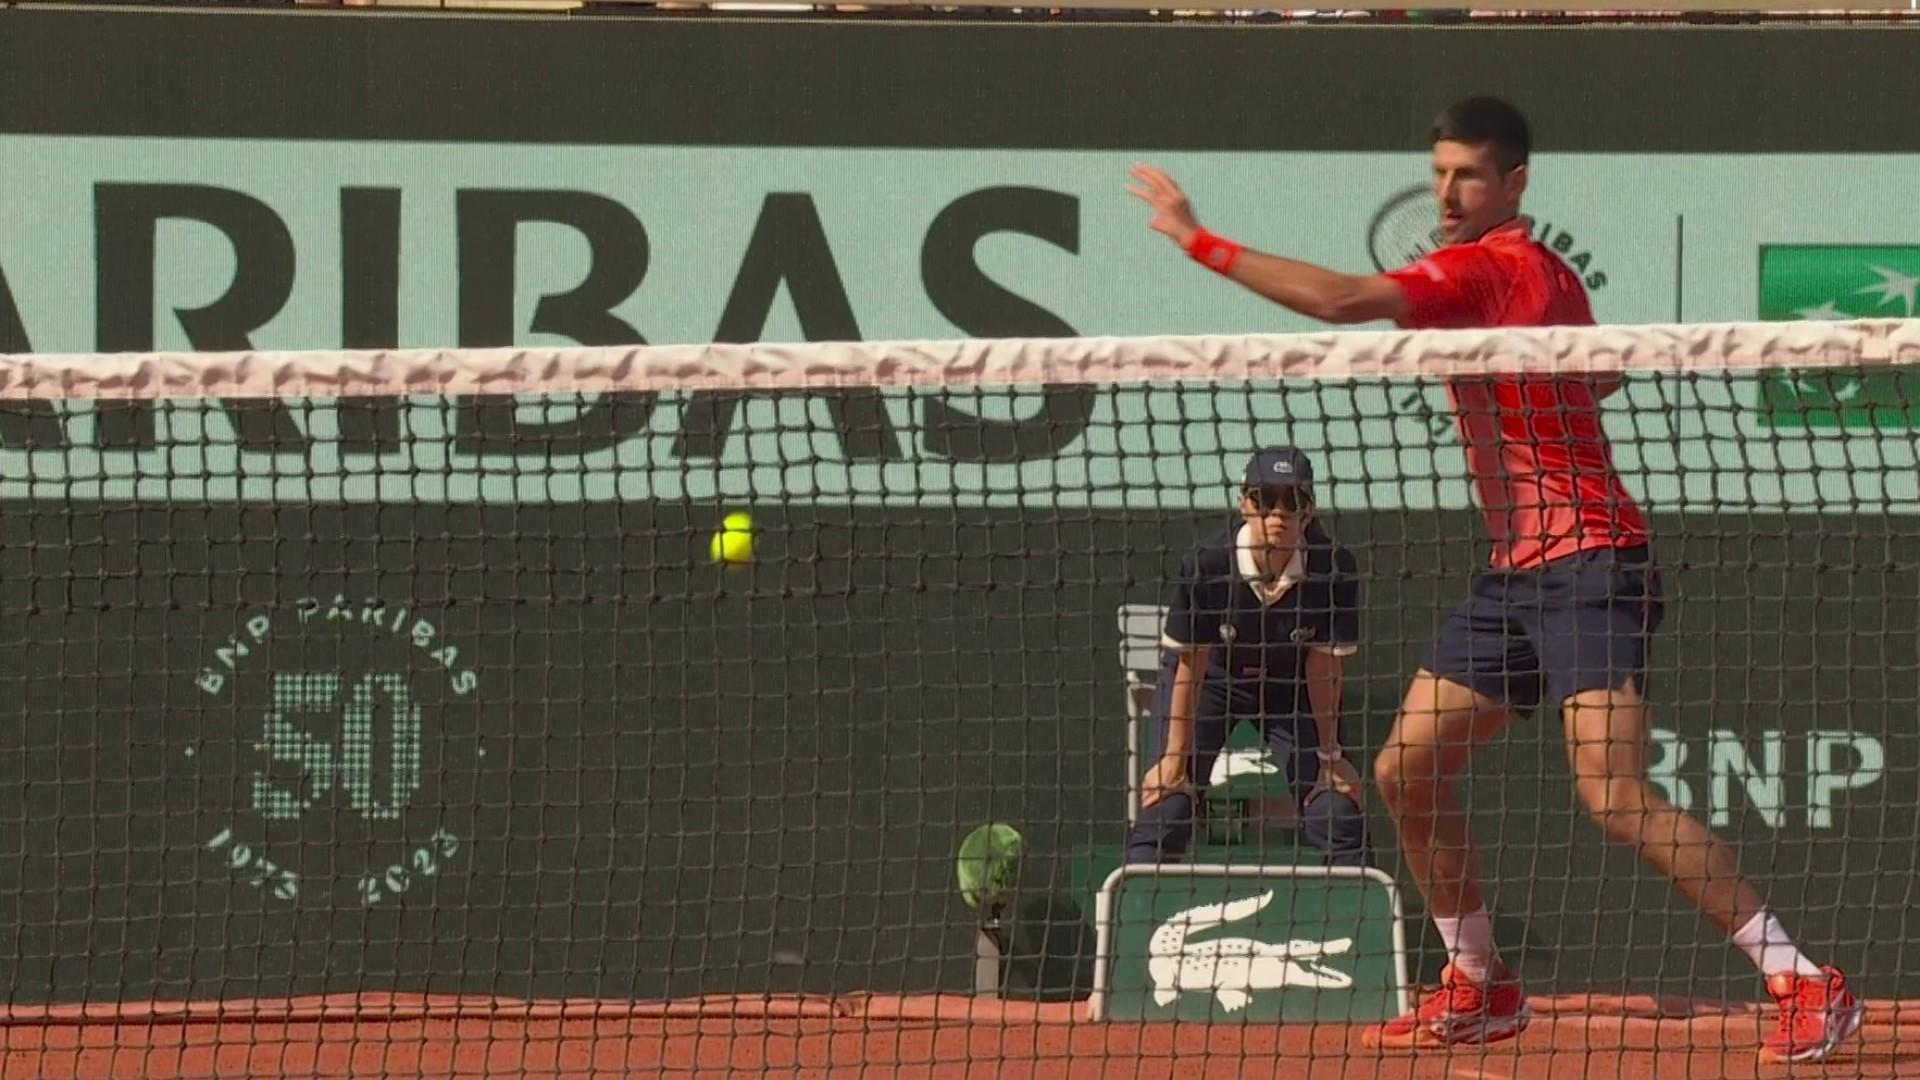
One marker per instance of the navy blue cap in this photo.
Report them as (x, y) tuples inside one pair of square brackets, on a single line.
[(1279, 466)]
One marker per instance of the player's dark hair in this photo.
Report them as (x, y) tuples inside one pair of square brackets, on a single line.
[(1482, 121)]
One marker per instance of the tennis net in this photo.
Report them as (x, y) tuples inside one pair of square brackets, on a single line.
[(415, 673)]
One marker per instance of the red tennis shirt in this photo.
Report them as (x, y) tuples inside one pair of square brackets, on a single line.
[(1536, 452)]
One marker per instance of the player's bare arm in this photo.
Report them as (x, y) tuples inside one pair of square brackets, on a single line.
[(1169, 774), (1314, 291)]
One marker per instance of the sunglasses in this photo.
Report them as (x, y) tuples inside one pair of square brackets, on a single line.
[(1268, 499)]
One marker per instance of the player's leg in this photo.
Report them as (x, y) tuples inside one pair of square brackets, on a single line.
[(1478, 674), (1163, 832), (1594, 637), (1479, 1000), (1606, 739), (1440, 722), (1595, 623), (1606, 751)]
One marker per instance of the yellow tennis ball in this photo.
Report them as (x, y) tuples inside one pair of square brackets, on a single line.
[(733, 544)]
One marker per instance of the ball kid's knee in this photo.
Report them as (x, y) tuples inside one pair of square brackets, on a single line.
[(1163, 830)]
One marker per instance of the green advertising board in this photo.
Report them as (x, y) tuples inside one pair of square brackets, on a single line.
[(1248, 944), (1840, 281)]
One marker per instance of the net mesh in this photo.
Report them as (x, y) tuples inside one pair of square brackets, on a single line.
[(417, 682)]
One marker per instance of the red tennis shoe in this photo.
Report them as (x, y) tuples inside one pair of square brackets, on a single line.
[(1817, 1014), (1461, 1011)]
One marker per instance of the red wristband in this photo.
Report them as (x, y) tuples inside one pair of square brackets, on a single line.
[(1217, 254)]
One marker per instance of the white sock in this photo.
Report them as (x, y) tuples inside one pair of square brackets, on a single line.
[(1469, 941), (1766, 943)]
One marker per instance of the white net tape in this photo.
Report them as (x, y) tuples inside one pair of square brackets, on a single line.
[(1013, 361)]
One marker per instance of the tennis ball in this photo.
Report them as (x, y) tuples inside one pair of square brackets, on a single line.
[(733, 544)]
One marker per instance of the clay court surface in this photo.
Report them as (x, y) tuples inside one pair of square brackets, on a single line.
[(878, 1037)]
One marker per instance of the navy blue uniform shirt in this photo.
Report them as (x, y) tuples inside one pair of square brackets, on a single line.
[(1258, 644)]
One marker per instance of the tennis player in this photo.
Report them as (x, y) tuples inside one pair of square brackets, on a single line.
[(1264, 613), (1560, 618)]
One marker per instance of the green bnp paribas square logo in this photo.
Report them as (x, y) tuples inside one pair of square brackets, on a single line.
[(1840, 281)]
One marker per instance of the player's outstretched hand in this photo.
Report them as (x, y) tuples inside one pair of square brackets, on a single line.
[(1172, 213), (1340, 776), (1168, 776)]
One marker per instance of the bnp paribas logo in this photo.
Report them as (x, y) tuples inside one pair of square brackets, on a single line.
[(1840, 281)]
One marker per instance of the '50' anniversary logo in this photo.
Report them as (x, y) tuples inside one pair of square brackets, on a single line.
[(332, 702)]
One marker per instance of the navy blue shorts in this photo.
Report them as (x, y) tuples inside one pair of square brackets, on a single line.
[(1581, 622)]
